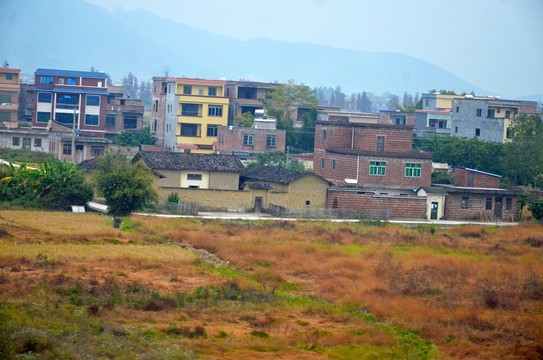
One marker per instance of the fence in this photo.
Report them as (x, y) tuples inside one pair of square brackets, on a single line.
[(382, 214), (186, 208)]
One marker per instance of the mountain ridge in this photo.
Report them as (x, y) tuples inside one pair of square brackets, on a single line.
[(148, 45)]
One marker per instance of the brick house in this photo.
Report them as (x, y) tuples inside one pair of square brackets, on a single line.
[(244, 97), (369, 154), (244, 142), (62, 95), (476, 195), (122, 113)]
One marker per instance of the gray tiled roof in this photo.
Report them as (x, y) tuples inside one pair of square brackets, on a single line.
[(274, 174), (182, 161)]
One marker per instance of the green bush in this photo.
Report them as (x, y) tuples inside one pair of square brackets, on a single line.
[(536, 207)]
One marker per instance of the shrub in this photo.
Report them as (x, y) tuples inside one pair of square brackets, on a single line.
[(536, 207)]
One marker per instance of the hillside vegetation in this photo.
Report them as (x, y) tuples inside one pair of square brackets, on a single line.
[(72, 287)]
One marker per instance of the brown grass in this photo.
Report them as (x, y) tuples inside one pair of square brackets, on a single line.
[(475, 292)]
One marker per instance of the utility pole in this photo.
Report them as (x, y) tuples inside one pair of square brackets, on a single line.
[(73, 137)]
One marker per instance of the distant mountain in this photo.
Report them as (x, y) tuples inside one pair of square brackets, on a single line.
[(74, 34)]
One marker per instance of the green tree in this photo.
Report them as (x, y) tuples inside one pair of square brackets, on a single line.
[(524, 154), (55, 185), (536, 207), (126, 188), (306, 138), (145, 137), (127, 138), (245, 120), (284, 102), (277, 159)]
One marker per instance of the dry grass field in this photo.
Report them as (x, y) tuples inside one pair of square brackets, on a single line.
[(72, 287)]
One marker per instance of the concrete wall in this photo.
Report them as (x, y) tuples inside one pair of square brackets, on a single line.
[(464, 121), (230, 140)]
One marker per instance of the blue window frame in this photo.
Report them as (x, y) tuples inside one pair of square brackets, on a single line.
[(9, 76), (65, 99), (46, 79), (44, 97), (91, 120), (43, 117), (93, 100), (71, 81)]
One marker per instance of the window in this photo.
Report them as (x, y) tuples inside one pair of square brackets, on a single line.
[(271, 141), (477, 132), (67, 149), (425, 102), (187, 90), (5, 99), (37, 142), (156, 105), (457, 109), (380, 143), (212, 130), (189, 109), (333, 165), (110, 120), (44, 97), (214, 110), (212, 91), (507, 114), (15, 141), (465, 201), (248, 139), (189, 129), (307, 202), (9, 76), (510, 133), (508, 204), (412, 170), (400, 121), (130, 121), (195, 177), (43, 117), (61, 81), (46, 79), (456, 129), (378, 168), (97, 150), (479, 112), (93, 100), (488, 204), (322, 163), (490, 113), (71, 81), (323, 135), (67, 101), (91, 120)]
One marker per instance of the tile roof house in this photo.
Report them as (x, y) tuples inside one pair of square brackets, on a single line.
[(273, 187), (195, 171)]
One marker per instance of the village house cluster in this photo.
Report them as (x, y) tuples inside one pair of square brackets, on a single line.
[(362, 162)]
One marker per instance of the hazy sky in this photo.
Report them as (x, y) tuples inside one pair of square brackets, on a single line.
[(494, 44)]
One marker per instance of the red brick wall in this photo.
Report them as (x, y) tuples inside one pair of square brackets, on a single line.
[(397, 138), (479, 180), (412, 208), (477, 207), (346, 165), (232, 140)]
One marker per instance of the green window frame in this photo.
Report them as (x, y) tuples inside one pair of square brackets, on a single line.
[(412, 170), (378, 168)]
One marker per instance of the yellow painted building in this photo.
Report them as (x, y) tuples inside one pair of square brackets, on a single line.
[(202, 108), (9, 96), (445, 101)]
